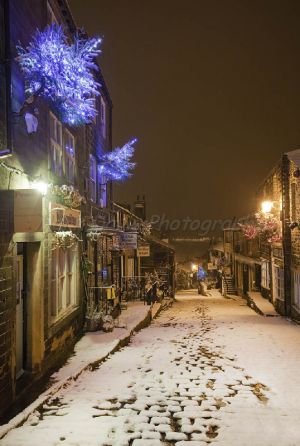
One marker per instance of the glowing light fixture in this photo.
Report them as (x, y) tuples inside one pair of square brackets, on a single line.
[(41, 186), (266, 206)]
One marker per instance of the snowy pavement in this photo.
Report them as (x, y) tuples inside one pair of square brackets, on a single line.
[(208, 370)]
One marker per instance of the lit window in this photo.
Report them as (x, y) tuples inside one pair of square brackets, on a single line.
[(69, 144), (56, 150), (102, 189), (103, 117), (93, 178)]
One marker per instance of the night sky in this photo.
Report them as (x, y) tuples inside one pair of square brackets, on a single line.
[(210, 88)]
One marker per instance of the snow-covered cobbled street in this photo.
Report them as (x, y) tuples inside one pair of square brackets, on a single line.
[(208, 370)]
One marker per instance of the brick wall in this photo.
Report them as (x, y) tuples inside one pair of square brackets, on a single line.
[(6, 301)]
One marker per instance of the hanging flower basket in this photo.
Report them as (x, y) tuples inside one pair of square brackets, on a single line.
[(94, 236), (265, 226), (64, 239), (67, 195)]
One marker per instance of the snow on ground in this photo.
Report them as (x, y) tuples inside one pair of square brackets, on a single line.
[(96, 345), (208, 370)]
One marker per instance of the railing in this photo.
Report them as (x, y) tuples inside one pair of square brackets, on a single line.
[(100, 299), (133, 288), (137, 287)]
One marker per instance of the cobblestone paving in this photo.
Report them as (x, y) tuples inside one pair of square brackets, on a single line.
[(171, 386)]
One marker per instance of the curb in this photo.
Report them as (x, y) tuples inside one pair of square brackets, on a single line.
[(19, 419), (253, 306)]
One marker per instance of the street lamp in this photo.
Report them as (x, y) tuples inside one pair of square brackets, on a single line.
[(194, 267)]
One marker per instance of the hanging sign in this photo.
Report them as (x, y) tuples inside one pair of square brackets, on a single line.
[(116, 242), (28, 211), (143, 251), (63, 216), (129, 240)]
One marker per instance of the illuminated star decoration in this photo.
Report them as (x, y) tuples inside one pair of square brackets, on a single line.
[(117, 165), (62, 72)]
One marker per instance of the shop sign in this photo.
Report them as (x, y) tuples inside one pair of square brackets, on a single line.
[(28, 211), (129, 240), (116, 242), (63, 216), (143, 251)]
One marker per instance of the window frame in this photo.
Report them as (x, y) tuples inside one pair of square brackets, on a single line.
[(56, 145), (296, 288), (103, 117), (93, 179), (102, 188), (69, 155), (265, 275), (63, 282)]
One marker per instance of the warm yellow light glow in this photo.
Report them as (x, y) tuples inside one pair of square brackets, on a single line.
[(41, 186), (266, 206), (194, 267)]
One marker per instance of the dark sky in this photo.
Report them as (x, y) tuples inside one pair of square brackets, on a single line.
[(210, 88)]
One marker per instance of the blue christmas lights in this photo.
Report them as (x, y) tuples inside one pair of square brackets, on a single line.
[(117, 165), (62, 72)]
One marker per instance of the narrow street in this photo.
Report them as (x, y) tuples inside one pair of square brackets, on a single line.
[(207, 370)]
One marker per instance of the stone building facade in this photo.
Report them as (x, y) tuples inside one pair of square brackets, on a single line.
[(273, 267), (42, 290)]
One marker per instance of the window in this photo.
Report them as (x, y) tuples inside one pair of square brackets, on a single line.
[(103, 117), (69, 143), (228, 236), (293, 201), (102, 189), (63, 280), (296, 277), (130, 267), (278, 283), (93, 175), (265, 275), (56, 151)]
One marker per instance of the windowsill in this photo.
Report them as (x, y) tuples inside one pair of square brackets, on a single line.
[(297, 309), (62, 319), (281, 299)]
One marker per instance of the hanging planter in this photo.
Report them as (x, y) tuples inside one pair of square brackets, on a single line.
[(68, 195), (65, 239), (94, 236), (145, 229), (265, 226)]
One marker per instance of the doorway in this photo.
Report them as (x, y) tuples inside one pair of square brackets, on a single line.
[(20, 310), (245, 279)]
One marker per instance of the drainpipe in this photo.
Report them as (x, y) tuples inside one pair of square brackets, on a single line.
[(286, 233)]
